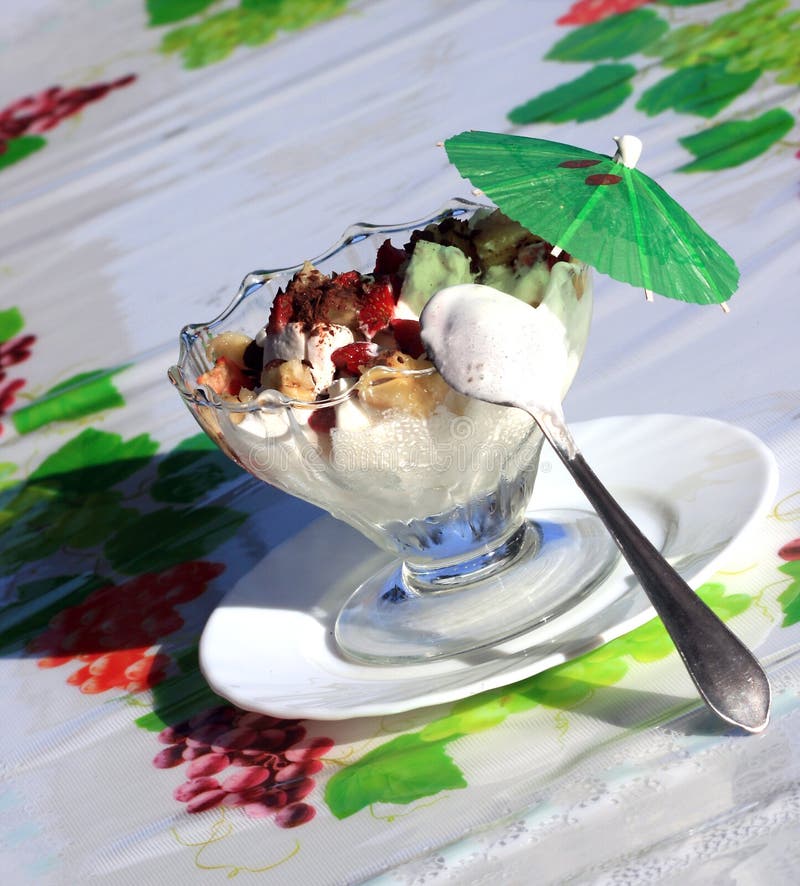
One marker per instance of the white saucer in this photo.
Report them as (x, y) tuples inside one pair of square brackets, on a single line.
[(693, 485)]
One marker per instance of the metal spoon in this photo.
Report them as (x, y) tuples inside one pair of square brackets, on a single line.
[(493, 347)]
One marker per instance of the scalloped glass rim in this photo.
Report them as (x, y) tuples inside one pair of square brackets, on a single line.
[(190, 365)]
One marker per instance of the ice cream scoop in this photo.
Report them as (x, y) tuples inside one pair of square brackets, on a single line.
[(490, 346)]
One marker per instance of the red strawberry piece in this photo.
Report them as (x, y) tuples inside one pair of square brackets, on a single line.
[(348, 278), (322, 420), (349, 357), (378, 308), (281, 313), (388, 259), (407, 335), (225, 378)]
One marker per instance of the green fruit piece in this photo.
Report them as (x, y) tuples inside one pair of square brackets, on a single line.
[(704, 90), (594, 94), (614, 37), (731, 144)]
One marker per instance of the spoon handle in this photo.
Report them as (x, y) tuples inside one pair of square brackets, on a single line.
[(725, 672)]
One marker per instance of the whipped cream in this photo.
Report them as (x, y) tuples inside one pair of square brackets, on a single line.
[(315, 345)]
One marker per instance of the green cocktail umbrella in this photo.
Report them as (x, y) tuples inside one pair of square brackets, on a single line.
[(601, 210)]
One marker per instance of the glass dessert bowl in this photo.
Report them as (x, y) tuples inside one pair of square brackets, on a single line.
[(333, 401)]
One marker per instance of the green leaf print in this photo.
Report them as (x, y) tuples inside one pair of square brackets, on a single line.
[(19, 148), (155, 541), (39, 601), (614, 37), (39, 521), (594, 94), (193, 468), (389, 773), (94, 461), (79, 396), (253, 23), (790, 598), (68, 500), (684, 2), (7, 471), (180, 697), (215, 38), (11, 324), (762, 34), (401, 771), (733, 143), (165, 12), (703, 90)]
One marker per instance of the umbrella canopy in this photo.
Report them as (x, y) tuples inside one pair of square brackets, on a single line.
[(601, 210)]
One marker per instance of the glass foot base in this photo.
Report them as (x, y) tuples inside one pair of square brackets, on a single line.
[(564, 556)]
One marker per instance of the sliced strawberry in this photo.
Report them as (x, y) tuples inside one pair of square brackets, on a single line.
[(388, 259), (348, 278), (225, 378), (322, 420), (406, 334), (281, 313), (349, 357), (378, 308)]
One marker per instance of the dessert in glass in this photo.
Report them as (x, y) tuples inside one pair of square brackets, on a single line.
[(315, 380)]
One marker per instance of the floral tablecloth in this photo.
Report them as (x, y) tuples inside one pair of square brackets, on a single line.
[(154, 151)]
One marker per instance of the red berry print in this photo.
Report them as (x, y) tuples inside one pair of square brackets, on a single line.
[(12, 352), (113, 631), (791, 550), (45, 110), (585, 12), (260, 764)]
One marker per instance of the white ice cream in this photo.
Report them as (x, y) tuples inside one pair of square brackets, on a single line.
[(399, 465)]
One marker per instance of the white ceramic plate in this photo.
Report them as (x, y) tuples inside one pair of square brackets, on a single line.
[(693, 485)]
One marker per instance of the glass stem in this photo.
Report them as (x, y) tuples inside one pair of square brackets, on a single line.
[(521, 541)]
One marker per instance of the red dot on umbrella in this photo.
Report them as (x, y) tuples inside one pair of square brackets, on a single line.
[(578, 164), (603, 178)]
